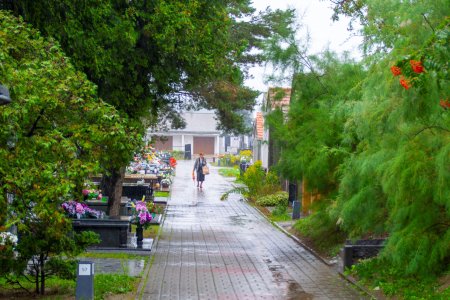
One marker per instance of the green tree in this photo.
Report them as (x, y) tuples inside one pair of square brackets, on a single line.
[(152, 58), (379, 138), (52, 136), (398, 177), (313, 138)]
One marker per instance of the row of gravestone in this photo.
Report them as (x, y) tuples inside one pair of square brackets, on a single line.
[(115, 232)]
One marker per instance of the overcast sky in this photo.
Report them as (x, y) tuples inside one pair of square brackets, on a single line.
[(316, 17)]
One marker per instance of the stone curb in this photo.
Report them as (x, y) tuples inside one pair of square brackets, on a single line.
[(325, 261), (145, 277), (357, 285)]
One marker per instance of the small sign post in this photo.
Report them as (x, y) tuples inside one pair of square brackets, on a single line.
[(296, 208), (85, 281)]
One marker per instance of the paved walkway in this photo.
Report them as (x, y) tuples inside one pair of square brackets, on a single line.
[(212, 249)]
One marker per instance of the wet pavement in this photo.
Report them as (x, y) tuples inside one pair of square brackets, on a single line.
[(212, 249)]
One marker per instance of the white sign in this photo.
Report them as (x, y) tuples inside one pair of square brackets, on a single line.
[(84, 269)]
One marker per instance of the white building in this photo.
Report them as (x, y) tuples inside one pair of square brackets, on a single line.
[(200, 135)]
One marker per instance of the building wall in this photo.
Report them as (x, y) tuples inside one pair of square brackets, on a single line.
[(199, 124), (178, 144)]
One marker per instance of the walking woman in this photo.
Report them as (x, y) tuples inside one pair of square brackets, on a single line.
[(200, 162)]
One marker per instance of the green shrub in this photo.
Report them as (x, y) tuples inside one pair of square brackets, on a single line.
[(177, 154), (273, 199), (280, 213), (321, 228), (258, 182), (229, 172)]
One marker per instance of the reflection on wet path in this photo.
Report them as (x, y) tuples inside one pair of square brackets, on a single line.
[(211, 249)]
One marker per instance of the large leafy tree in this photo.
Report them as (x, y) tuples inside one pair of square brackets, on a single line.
[(386, 152), (52, 136), (152, 58), (398, 177)]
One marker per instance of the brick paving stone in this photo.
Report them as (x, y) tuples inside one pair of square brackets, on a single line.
[(212, 249)]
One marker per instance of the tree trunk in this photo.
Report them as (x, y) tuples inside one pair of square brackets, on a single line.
[(112, 187), (42, 262), (36, 276)]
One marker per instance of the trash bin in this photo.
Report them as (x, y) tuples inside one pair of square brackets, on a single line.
[(243, 167), (296, 207)]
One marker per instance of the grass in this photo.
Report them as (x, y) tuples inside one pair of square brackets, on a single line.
[(229, 172), (150, 232), (56, 288), (112, 255), (280, 213), (161, 194), (107, 284), (394, 284)]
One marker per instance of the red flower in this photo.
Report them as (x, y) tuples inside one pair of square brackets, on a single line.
[(405, 83), (396, 70), (416, 66), (444, 103)]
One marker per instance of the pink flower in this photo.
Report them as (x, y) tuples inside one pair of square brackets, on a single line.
[(80, 208)]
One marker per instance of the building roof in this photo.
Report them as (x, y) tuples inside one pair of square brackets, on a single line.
[(279, 97), (259, 126)]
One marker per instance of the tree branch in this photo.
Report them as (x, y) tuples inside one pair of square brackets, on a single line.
[(428, 22), (429, 127), (34, 127)]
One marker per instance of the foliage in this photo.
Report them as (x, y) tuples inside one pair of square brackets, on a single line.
[(245, 155), (375, 273), (229, 172), (322, 229), (161, 194), (170, 55), (280, 213), (51, 137), (57, 287), (397, 177), (119, 255), (152, 59), (256, 183), (273, 199), (259, 182), (107, 284), (177, 154), (374, 141), (229, 160), (321, 102)]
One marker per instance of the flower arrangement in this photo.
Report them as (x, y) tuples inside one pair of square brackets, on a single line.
[(140, 214), (7, 238), (153, 208), (79, 210), (92, 194)]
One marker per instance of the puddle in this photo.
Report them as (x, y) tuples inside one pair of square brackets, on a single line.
[(290, 288), (239, 220)]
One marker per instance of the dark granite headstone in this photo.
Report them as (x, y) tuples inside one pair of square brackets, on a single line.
[(112, 231)]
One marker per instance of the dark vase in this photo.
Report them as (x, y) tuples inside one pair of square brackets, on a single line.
[(139, 235)]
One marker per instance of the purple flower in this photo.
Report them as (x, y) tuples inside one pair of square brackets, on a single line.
[(80, 208)]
